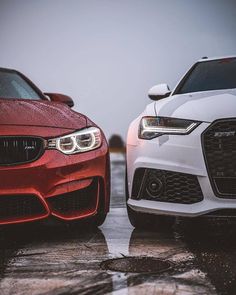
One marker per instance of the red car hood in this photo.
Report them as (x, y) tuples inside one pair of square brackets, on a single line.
[(39, 113)]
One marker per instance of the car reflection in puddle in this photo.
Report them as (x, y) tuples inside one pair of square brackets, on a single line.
[(164, 244), (54, 260)]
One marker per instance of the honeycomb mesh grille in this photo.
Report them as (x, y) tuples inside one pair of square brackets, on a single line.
[(219, 145), (20, 206), (174, 187)]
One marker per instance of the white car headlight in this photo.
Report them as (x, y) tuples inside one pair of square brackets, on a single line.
[(78, 142), (151, 127)]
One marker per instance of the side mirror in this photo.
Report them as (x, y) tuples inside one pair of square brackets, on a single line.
[(57, 97), (159, 91)]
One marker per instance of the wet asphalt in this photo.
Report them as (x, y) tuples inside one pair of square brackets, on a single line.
[(48, 258)]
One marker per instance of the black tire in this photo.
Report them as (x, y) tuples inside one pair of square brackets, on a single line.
[(90, 222), (99, 219), (137, 219), (144, 220)]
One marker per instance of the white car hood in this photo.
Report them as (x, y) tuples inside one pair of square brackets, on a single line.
[(204, 106)]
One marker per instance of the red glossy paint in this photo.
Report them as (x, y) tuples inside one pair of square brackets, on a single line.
[(54, 173), (39, 113)]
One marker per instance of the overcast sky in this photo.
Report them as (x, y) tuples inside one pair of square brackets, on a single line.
[(106, 54)]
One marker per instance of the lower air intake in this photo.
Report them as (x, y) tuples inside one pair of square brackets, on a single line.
[(166, 186), (13, 207), (76, 202)]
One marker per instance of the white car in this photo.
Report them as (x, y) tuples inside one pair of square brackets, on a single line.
[(181, 151)]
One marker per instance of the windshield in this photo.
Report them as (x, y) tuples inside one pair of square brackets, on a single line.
[(210, 75), (12, 85)]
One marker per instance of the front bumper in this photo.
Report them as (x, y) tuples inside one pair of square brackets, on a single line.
[(182, 154), (51, 182)]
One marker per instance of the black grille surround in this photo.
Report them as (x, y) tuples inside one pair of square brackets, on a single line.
[(15, 150), (219, 149), (172, 187), (14, 207), (78, 202)]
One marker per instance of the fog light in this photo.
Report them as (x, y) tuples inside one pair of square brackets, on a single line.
[(154, 186)]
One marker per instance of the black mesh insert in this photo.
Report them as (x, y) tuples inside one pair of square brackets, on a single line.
[(20, 206), (17, 150), (219, 145), (138, 177), (76, 201), (170, 187)]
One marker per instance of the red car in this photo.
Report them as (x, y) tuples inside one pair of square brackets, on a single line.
[(53, 160)]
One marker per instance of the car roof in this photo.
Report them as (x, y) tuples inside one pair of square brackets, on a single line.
[(205, 58), (7, 69)]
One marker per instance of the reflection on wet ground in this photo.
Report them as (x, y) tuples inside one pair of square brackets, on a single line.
[(55, 259), (214, 245)]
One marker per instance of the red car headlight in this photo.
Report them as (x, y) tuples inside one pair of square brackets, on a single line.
[(78, 142)]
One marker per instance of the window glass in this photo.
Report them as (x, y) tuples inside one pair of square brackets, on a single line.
[(211, 75), (12, 85)]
